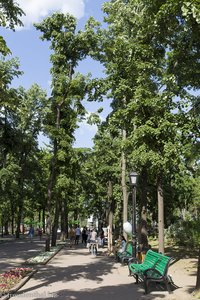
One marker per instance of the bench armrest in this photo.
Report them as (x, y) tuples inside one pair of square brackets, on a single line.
[(133, 260)]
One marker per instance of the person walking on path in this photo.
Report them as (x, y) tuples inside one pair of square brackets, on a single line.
[(93, 242), (78, 234), (31, 233), (40, 233), (84, 236), (72, 236)]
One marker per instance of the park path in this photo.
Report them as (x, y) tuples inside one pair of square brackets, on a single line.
[(74, 274)]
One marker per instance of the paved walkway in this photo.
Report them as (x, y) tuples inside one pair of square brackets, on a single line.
[(74, 274)]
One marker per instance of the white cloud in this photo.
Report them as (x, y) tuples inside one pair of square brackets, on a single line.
[(84, 126), (36, 10), (84, 135)]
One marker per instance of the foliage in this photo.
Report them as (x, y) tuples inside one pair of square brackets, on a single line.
[(185, 232), (10, 12)]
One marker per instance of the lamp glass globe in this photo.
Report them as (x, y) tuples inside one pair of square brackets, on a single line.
[(127, 227)]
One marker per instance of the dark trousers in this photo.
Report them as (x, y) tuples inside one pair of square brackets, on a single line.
[(77, 239)]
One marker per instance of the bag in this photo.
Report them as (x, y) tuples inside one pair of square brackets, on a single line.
[(88, 245)]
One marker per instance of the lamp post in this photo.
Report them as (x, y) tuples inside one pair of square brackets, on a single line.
[(133, 181)]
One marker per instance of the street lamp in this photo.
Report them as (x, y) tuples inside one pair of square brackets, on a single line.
[(133, 181)]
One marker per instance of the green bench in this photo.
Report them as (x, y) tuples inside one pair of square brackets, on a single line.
[(124, 256), (153, 269)]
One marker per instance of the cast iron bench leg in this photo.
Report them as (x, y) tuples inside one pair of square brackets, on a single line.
[(136, 278), (146, 283)]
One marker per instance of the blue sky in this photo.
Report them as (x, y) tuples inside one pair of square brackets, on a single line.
[(34, 54)]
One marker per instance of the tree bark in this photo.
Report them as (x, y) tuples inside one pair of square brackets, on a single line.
[(63, 220), (49, 198), (143, 228), (43, 220), (52, 178), (160, 216), (20, 207), (198, 273), (110, 216), (123, 183), (55, 224), (48, 233), (110, 236)]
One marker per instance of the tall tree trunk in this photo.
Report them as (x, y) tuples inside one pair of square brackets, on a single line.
[(142, 228), (52, 179), (123, 183), (110, 216), (55, 224), (48, 233), (22, 164), (143, 178), (19, 214), (63, 220), (4, 152), (20, 206), (110, 234), (12, 221), (49, 198), (160, 216), (39, 216), (43, 220), (2, 222), (198, 273), (6, 224)]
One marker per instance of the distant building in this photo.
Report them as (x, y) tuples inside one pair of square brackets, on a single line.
[(92, 222)]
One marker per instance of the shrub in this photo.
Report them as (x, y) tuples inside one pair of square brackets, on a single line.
[(184, 232)]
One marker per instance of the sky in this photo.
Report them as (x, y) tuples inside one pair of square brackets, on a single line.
[(34, 54)]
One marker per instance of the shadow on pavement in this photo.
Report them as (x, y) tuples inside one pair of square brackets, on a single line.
[(14, 252), (93, 272)]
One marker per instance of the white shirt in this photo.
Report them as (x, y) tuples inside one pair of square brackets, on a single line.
[(93, 236)]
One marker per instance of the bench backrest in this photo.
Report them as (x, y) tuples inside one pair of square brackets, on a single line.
[(129, 247), (163, 264), (157, 261), (150, 259)]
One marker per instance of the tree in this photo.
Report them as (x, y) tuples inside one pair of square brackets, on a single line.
[(9, 18), (28, 122), (68, 89), (107, 160), (140, 71)]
